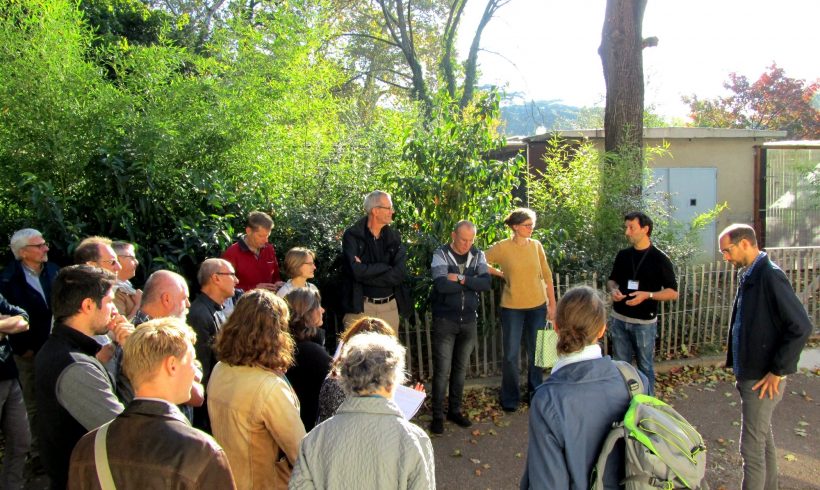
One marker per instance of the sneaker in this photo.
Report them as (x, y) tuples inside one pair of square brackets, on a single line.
[(459, 420), (437, 426)]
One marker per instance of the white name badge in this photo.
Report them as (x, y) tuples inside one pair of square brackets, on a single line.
[(632, 285)]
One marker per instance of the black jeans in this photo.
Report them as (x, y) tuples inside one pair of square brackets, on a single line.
[(452, 344)]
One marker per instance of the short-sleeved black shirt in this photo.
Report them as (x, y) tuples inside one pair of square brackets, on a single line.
[(652, 269)]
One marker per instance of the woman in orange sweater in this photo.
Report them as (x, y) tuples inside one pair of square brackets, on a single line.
[(527, 301)]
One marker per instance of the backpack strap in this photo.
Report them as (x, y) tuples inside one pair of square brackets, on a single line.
[(597, 477), (101, 459), (632, 379)]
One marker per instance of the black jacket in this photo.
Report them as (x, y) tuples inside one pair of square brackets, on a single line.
[(450, 299), (775, 326), (391, 274), (15, 288), (8, 369)]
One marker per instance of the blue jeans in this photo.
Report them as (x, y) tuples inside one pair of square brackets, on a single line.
[(452, 344), (516, 324), (756, 439), (635, 340)]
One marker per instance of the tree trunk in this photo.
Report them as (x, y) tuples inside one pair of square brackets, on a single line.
[(621, 56)]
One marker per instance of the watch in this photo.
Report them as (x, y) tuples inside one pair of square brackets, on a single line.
[(651, 295), (460, 277)]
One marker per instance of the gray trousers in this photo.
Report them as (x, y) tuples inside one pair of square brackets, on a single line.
[(25, 366), (15, 430), (756, 439)]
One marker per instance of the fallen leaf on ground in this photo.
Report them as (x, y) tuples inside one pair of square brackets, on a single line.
[(456, 453)]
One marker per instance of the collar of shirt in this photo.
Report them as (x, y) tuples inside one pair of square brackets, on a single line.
[(586, 354), (748, 271)]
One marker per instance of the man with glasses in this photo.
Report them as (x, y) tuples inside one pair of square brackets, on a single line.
[(253, 256), (96, 251), (769, 328), (642, 275), (217, 281), (26, 282), (374, 265), (128, 297)]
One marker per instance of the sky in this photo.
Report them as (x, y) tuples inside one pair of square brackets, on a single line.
[(548, 49)]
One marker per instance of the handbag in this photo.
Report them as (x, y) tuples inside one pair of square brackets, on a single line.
[(546, 347)]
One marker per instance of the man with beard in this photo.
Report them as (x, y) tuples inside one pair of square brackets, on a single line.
[(75, 393), (642, 275)]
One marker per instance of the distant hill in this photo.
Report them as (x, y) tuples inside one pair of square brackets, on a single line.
[(538, 116)]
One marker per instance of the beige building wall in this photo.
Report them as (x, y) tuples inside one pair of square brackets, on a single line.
[(730, 151)]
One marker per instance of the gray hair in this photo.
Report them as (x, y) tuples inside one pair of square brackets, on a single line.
[(207, 269), (371, 361), (120, 247), (21, 238), (465, 223), (160, 282), (371, 201)]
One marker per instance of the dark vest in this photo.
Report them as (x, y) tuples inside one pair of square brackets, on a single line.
[(57, 430)]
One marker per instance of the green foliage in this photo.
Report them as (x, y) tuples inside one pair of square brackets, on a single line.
[(448, 176), (581, 198)]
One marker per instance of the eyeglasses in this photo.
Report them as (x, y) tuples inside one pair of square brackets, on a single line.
[(386, 207), (225, 274), (725, 251), (37, 245)]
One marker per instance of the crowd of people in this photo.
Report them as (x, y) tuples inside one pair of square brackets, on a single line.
[(106, 385)]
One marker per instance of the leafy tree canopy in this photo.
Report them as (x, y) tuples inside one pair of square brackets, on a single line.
[(774, 101)]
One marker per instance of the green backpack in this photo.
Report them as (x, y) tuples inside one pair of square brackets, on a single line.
[(662, 449)]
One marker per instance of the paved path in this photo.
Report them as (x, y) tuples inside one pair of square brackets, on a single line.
[(713, 407)]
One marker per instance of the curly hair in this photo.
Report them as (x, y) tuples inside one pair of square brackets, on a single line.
[(256, 334), (578, 319), (302, 302), (370, 362)]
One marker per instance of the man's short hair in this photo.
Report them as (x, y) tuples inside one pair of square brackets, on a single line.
[(20, 239), (461, 224), (89, 249), (372, 200), (151, 343), (74, 284), (258, 219), (120, 247), (643, 220), (739, 231), (157, 283), (207, 269)]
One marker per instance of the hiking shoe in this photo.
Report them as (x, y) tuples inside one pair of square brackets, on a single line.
[(459, 420), (437, 426)]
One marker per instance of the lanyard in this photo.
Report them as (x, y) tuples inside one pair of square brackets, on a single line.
[(640, 263)]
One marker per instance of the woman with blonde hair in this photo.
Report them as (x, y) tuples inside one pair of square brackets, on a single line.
[(568, 421), (527, 299), (254, 411), (300, 265)]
